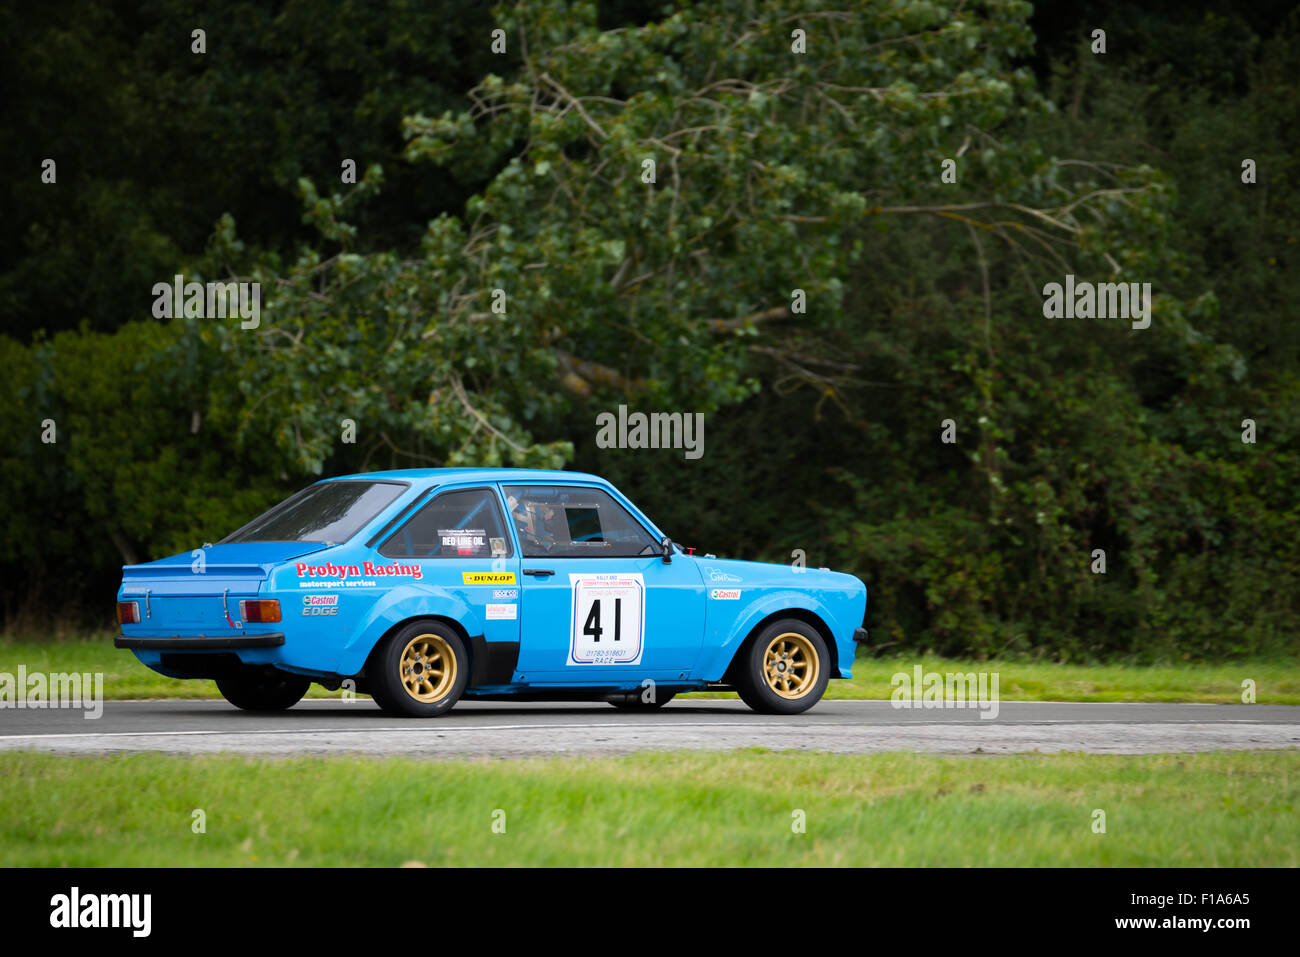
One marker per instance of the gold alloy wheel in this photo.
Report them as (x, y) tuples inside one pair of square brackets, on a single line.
[(428, 667), (790, 665)]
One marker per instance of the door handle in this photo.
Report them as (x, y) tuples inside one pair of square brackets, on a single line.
[(539, 571)]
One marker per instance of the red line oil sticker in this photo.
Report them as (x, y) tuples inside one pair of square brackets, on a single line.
[(468, 542)]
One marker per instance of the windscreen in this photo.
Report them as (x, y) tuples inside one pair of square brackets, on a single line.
[(327, 512)]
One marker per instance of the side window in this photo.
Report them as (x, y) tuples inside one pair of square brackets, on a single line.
[(459, 524), (572, 522)]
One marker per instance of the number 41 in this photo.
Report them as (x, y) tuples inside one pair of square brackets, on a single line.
[(592, 627)]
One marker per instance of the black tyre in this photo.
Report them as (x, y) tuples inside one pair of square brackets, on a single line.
[(263, 690), (419, 671), (635, 700), (783, 669)]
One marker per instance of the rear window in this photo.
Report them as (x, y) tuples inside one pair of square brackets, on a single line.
[(459, 524), (327, 512)]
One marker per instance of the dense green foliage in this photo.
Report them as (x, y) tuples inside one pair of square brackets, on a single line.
[(506, 268)]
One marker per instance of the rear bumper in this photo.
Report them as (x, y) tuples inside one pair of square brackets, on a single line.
[(198, 642)]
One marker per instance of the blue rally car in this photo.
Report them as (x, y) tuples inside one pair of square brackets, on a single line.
[(423, 586)]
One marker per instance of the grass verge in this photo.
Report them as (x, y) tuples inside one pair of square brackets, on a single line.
[(1276, 681), (706, 809)]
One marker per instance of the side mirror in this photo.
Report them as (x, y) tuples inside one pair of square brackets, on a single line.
[(667, 546)]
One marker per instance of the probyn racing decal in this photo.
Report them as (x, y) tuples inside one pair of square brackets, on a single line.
[(502, 612), (608, 619), (488, 578), (368, 569)]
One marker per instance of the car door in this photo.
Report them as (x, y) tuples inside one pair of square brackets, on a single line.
[(597, 600), (462, 547)]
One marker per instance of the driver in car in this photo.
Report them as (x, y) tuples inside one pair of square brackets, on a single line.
[(533, 532)]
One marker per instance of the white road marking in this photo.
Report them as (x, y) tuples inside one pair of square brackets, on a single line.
[(418, 728), (811, 727)]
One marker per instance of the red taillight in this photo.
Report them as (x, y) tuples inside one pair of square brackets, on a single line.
[(128, 612), (260, 610)]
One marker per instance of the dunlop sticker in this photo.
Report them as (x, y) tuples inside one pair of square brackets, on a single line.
[(488, 578)]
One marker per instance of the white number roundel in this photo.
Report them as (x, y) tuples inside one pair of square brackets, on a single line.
[(608, 619)]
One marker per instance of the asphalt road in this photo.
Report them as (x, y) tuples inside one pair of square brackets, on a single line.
[(497, 729)]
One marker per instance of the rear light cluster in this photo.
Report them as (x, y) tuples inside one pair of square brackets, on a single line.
[(128, 612), (260, 610)]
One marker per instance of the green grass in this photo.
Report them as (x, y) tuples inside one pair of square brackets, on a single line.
[(124, 676), (1276, 681), (706, 809)]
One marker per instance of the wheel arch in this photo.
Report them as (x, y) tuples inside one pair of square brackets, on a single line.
[(401, 606), (397, 626), (799, 614)]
